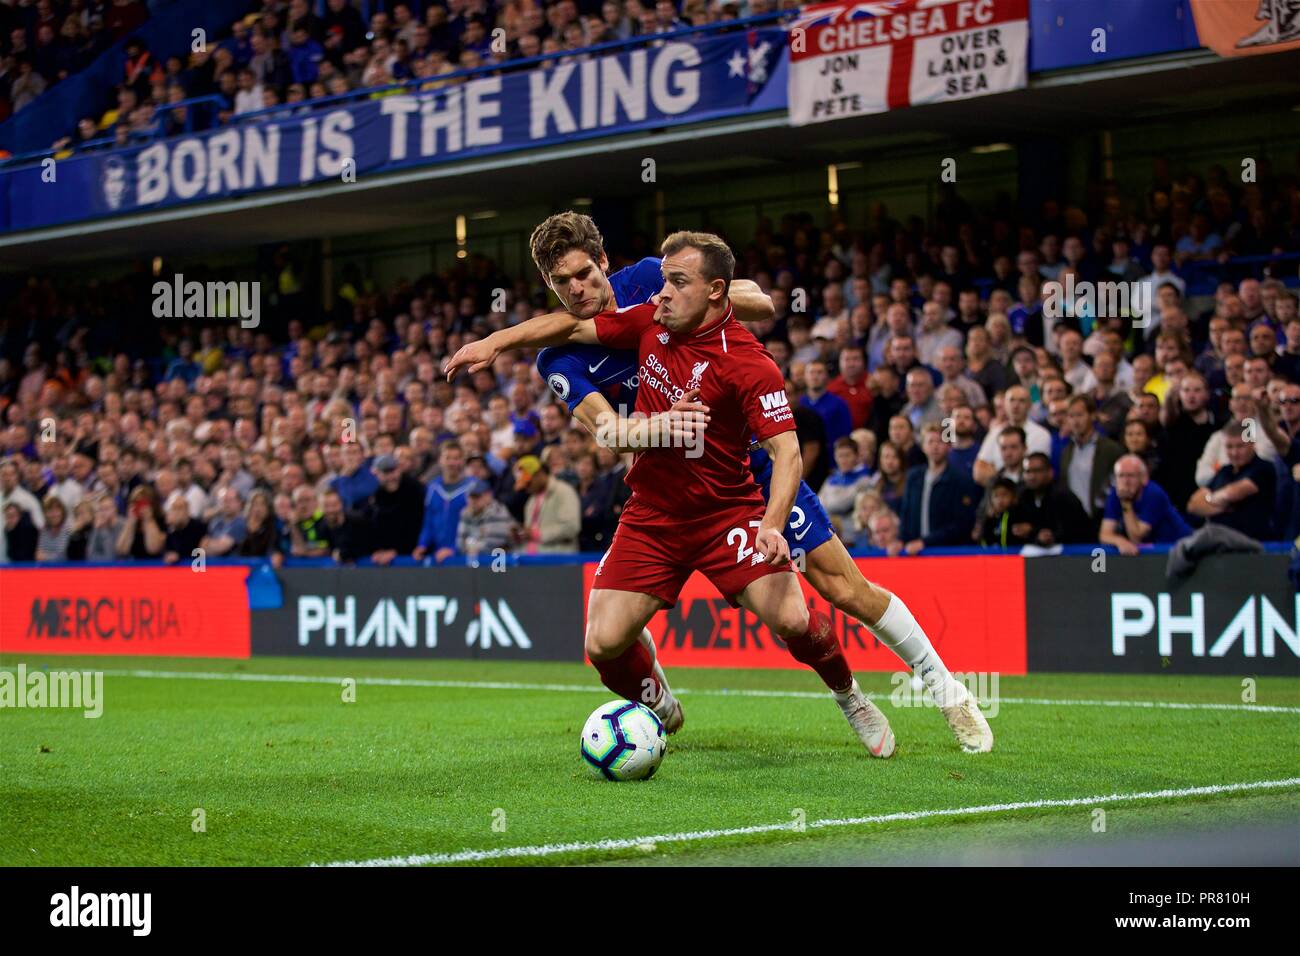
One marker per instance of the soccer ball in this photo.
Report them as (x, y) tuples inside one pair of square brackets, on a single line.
[(623, 740)]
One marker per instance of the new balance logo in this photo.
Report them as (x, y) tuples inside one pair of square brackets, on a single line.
[(498, 626), (774, 400)]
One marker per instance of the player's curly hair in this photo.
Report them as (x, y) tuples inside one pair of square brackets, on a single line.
[(717, 261), (560, 234)]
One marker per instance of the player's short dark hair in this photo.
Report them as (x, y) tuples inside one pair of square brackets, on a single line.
[(1014, 430), (1044, 459), (560, 234), (717, 261), (1006, 484)]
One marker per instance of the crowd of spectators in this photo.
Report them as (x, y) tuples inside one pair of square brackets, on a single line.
[(43, 42), (937, 401), (283, 54)]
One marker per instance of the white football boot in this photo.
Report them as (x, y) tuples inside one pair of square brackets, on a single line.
[(962, 711), (867, 720), (668, 708)]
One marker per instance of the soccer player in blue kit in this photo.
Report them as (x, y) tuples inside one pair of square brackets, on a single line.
[(569, 252)]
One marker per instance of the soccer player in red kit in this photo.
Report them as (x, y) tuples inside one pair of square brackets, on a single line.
[(697, 508)]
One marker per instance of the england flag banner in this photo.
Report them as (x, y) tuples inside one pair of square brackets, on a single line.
[(850, 59)]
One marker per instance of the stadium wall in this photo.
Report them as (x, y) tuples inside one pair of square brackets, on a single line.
[(999, 613)]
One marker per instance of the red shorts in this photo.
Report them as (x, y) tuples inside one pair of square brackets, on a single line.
[(654, 553)]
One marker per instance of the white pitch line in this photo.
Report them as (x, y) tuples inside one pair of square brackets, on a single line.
[(649, 842), (723, 692)]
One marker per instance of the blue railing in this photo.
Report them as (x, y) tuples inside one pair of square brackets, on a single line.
[(515, 559), (211, 100)]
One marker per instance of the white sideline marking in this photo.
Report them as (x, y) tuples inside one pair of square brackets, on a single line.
[(550, 849), (594, 689)]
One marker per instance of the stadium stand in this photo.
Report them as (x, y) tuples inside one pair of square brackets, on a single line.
[(174, 435)]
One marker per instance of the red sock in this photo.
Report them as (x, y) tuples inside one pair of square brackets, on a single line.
[(631, 675), (820, 649)]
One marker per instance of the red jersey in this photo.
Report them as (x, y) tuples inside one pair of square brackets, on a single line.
[(737, 379)]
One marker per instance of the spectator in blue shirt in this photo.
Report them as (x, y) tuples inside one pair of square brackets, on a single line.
[(965, 444), (1200, 243), (1138, 511), (305, 54), (357, 482), (239, 43), (849, 479), (445, 500), (226, 531), (183, 366), (830, 408)]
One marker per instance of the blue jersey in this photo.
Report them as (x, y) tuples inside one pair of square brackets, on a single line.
[(575, 371)]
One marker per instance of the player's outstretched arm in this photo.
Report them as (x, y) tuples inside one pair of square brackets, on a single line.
[(751, 304), (557, 328), (787, 472)]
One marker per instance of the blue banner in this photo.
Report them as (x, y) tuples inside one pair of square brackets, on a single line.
[(679, 81), (1063, 33)]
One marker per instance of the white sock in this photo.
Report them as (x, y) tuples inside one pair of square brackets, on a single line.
[(845, 697), (898, 630)]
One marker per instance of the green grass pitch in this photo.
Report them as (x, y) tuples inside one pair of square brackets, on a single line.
[(437, 763)]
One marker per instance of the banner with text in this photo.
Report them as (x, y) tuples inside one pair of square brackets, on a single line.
[(852, 59), (677, 81), (976, 618), (1237, 614), (457, 612), (168, 612)]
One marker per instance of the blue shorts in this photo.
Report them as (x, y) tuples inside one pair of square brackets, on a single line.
[(809, 526)]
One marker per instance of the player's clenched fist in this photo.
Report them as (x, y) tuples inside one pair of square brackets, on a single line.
[(474, 355), (771, 544)]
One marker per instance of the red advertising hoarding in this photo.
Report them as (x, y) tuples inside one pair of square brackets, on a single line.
[(973, 609), (173, 612)]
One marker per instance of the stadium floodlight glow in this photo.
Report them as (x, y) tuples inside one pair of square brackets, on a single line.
[(460, 237), (833, 186), (991, 148), (582, 201), (484, 214), (157, 266)]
